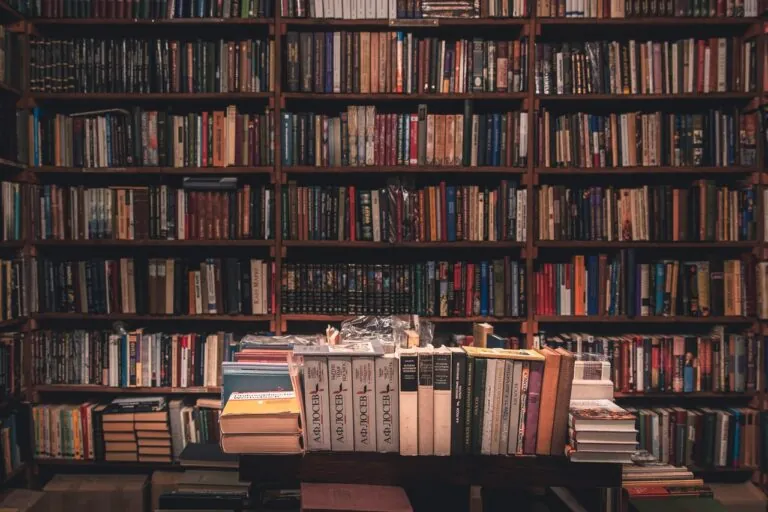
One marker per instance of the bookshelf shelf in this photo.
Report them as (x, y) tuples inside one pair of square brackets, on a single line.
[(103, 465), (394, 469), (152, 318), (402, 245), (52, 169), (150, 96), (11, 164), (11, 245), (686, 396), (650, 21), (643, 245), (8, 13), (645, 319), (403, 169), (719, 96), (7, 89), (14, 322), (646, 170), (154, 243), (402, 97), (295, 317), (106, 390), (75, 22), (410, 23)]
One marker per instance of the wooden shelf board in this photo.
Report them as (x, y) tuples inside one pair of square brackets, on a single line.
[(401, 245), (14, 322), (409, 23), (646, 170), (642, 244), (12, 244), (297, 317), (165, 96), (395, 469), (9, 12), (153, 170), (672, 20), (743, 469), (310, 169), (153, 318), (648, 97), (644, 319), (402, 96), (106, 390), (689, 396), (104, 465), (154, 243), (75, 22)]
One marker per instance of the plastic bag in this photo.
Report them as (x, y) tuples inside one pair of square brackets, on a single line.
[(287, 341), (388, 330)]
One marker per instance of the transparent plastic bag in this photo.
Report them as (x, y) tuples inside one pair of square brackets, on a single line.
[(388, 330), (286, 341)]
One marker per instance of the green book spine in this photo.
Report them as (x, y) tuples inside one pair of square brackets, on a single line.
[(468, 402), (478, 405)]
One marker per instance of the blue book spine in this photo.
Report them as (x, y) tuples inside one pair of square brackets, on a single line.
[(200, 8), (688, 378), (450, 193), (592, 285), (484, 288), (736, 437), (123, 361), (659, 289)]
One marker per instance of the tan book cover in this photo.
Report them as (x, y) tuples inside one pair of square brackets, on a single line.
[(353, 497), (365, 62), (547, 400)]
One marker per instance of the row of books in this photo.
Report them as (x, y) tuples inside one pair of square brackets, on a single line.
[(444, 401), (90, 65), (650, 9), (403, 62), (393, 9), (125, 430), (15, 296), (134, 359), (397, 214), (119, 138), (154, 212), (716, 138), (432, 288), (10, 58), (362, 137), (617, 285), (702, 212), (690, 65), (673, 363), (176, 287), (12, 227), (704, 437), (148, 9)]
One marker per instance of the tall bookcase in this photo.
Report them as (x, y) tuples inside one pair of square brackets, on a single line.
[(530, 252)]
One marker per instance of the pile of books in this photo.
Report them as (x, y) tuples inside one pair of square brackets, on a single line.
[(600, 431), (265, 422), (136, 429)]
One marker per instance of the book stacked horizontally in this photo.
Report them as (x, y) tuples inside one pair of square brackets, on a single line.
[(654, 479), (136, 429), (265, 422), (600, 431), (198, 490)]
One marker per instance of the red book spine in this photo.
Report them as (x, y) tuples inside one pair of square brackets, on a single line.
[(205, 139), (625, 353), (380, 128), (414, 146), (470, 289), (392, 139), (700, 48)]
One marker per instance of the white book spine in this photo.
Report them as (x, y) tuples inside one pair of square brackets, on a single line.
[(340, 387), (442, 400), (363, 406), (409, 402), (316, 404), (490, 388), (387, 404), (426, 408)]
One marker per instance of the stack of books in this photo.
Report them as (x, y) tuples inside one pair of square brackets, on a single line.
[(136, 429), (654, 479), (266, 423), (600, 431)]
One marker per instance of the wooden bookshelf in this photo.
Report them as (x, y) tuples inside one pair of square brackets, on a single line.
[(605, 244), (714, 320), (395, 469), (668, 22), (672, 396), (107, 390), (437, 319), (401, 169), (409, 24), (8, 13), (92, 317), (715, 96), (184, 171), (403, 97), (403, 245), (79, 22), (645, 170), (150, 96), (154, 243)]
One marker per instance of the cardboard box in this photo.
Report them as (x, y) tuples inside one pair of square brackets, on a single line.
[(116, 493)]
